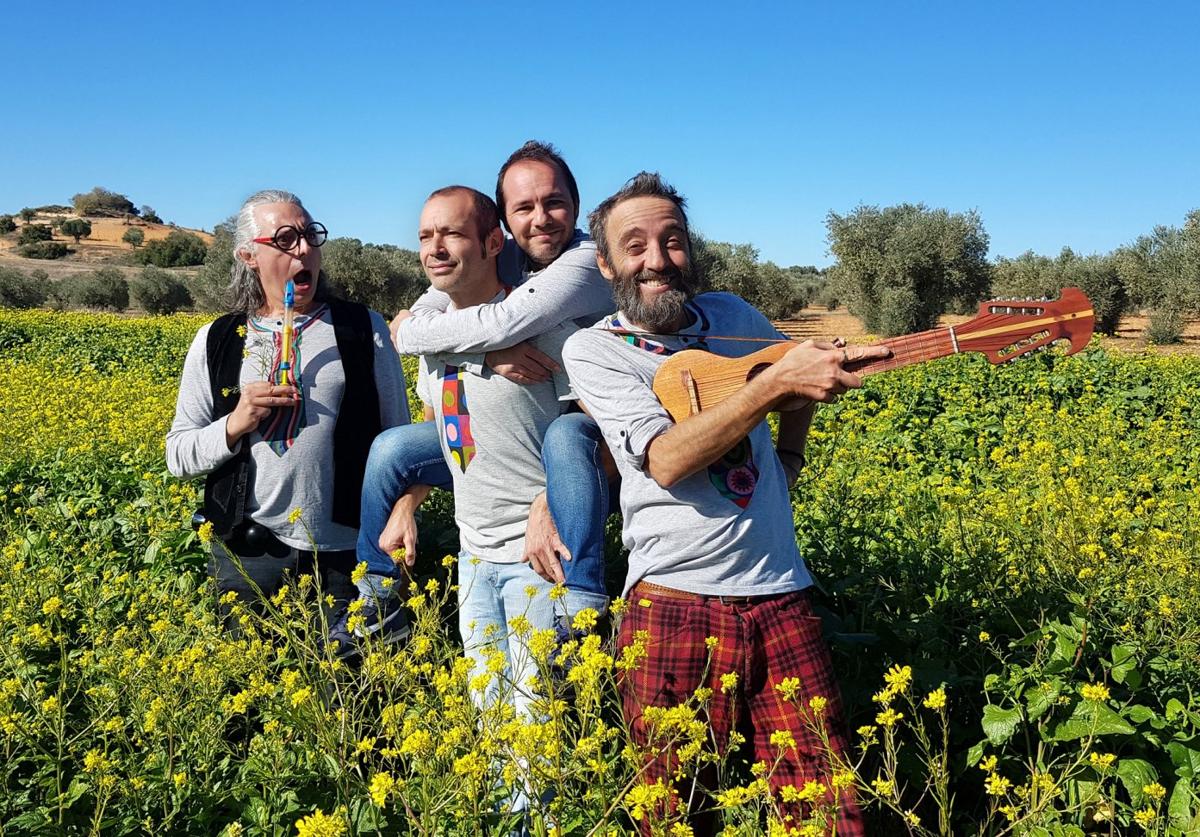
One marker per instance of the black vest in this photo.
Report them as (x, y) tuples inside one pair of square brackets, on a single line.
[(357, 425)]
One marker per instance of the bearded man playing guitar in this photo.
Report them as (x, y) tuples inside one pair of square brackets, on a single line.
[(715, 576)]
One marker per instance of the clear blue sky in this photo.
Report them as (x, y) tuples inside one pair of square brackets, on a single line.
[(1061, 123)]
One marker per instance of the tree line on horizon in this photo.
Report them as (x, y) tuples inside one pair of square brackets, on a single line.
[(898, 269)]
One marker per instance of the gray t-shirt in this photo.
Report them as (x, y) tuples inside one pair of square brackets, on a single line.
[(291, 452), (569, 288), (724, 530), (491, 432)]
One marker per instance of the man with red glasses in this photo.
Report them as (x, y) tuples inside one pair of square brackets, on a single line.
[(282, 441)]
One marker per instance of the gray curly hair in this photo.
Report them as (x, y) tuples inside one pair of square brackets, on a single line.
[(245, 290)]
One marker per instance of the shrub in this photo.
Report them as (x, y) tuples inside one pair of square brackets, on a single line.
[(158, 292), (77, 228), (905, 265), (808, 284), (134, 237), (178, 249), (150, 216), (7, 224), (20, 291), (1165, 327), (381, 276), (31, 233), (210, 286), (44, 250), (102, 202), (105, 289), (1031, 275), (56, 294), (735, 268)]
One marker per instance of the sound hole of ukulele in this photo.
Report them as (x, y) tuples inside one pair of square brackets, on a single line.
[(757, 370)]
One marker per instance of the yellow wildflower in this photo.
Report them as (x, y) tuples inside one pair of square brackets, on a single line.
[(382, 784), (643, 799), (585, 620), (888, 717), (936, 699), (783, 739), (898, 678), (996, 785), (787, 687), (1155, 791), (318, 824), (1095, 692)]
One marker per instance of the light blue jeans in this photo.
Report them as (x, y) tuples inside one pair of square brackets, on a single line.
[(577, 493), (490, 596)]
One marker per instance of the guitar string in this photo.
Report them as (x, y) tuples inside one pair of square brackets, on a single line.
[(907, 349)]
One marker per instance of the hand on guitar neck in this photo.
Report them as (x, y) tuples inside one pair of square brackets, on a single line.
[(818, 371)]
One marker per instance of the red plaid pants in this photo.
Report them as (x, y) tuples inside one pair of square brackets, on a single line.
[(762, 640)]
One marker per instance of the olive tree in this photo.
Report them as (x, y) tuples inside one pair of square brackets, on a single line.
[(900, 267)]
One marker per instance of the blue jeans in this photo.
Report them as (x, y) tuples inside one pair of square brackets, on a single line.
[(577, 494), (400, 458), (490, 596)]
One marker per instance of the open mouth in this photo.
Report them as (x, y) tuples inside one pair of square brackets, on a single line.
[(302, 281), (657, 283)]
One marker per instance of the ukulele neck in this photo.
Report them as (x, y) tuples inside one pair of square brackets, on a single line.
[(909, 349)]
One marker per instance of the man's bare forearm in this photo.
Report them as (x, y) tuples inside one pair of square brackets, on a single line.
[(793, 436), (701, 439), (411, 500)]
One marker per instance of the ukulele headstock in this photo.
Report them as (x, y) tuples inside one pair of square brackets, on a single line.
[(1008, 329)]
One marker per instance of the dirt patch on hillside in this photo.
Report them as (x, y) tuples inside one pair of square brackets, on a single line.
[(103, 248)]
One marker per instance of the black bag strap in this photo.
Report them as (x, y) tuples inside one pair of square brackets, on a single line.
[(225, 489), (358, 420)]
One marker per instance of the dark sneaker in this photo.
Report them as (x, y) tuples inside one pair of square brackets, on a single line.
[(385, 620)]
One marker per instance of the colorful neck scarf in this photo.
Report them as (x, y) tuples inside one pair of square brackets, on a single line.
[(282, 427)]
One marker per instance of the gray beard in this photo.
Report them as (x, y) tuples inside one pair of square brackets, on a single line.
[(665, 312)]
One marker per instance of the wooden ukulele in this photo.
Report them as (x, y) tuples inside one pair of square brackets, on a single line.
[(692, 380)]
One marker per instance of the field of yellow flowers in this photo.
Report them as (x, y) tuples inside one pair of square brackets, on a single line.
[(1010, 579)]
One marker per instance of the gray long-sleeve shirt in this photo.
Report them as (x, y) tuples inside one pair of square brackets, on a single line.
[(570, 288), (301, 475)]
